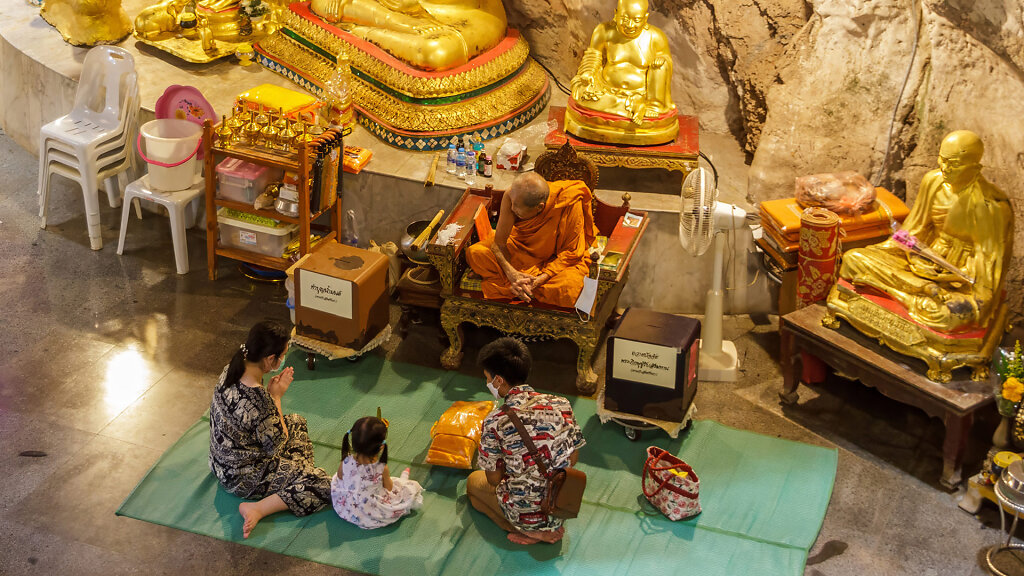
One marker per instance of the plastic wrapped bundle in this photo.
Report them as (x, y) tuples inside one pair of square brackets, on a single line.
[(844, 193), (456, 434)]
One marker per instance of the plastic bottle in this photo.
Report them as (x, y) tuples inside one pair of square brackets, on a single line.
[(479, 148), (460, 161), (350, 235), (470, 168), (453, 154)]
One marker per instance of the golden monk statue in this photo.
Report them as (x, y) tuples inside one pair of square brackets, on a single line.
[(426, 34), (948, 276), (622, 91), (539, 249)]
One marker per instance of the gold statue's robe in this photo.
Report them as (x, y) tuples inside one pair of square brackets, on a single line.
[(972, 229)]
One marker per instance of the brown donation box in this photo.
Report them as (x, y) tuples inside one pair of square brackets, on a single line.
[(341, 295), (652, 365)]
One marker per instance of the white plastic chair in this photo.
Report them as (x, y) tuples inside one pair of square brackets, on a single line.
[(90, 143), (175, 202)]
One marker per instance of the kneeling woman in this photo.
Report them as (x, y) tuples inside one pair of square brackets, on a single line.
[(256, 451)]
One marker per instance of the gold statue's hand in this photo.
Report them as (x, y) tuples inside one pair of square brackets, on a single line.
[(583, 88), (637, 108), (658, 62)]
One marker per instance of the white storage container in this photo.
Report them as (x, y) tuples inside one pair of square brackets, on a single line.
[(243, 181), (266, 240)]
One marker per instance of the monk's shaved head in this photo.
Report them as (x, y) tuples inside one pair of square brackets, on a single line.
[(529, 190)]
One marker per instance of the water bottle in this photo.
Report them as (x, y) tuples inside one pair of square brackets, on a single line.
[(350, 235), (460, 163), (453, 154), (470, 168)]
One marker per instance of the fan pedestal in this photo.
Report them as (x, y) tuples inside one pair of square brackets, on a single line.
[(722, 366)]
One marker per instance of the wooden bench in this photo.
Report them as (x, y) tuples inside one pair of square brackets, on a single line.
[(955, 402)]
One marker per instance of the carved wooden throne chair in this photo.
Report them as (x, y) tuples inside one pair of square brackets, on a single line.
[(464, 302)]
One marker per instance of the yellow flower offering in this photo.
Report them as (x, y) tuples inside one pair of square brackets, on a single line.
[(1013, 389)]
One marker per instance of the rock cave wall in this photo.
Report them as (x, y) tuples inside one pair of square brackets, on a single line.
[(826, 85)]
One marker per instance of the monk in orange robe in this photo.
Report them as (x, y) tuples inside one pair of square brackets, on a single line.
[(539, 249)]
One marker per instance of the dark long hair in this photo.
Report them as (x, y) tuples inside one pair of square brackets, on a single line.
[(368, 437), (265, 339)]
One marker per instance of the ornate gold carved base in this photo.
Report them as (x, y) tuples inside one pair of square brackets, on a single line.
[(524, 321), (941, 354)]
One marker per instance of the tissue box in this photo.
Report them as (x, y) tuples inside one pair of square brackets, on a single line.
[(510, 155), (341, 295)]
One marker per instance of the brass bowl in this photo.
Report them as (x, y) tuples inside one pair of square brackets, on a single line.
[(411, 232)]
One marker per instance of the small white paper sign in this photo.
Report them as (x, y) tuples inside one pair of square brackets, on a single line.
[(326, 294), (645, 363)]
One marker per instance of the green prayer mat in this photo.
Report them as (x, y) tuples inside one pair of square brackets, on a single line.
[(764, 499)]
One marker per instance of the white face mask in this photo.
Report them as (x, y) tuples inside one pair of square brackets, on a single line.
[(493, 389)]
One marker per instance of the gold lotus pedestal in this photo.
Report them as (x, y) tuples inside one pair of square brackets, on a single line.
[(494, 93), (679, 155)]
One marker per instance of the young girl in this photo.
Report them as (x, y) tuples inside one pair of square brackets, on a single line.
[(363, 491)]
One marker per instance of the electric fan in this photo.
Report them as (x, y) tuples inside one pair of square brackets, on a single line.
[(703, 221)]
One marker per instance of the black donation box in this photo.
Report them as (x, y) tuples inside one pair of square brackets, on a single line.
[(652, 365)]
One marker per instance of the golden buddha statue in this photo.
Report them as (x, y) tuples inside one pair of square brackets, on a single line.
[(426, 34), (622, 90), (945, 296)]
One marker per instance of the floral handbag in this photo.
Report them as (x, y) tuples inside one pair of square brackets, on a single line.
[(670, 484)]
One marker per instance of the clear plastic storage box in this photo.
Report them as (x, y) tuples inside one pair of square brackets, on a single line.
[(266, 240), (243, 181)]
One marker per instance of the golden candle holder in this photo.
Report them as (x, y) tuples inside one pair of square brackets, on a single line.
[(252, 130), (225, 133)]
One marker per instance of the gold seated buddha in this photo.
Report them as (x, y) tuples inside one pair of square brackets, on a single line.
[(430, 35), (947, 319), (621, 93)]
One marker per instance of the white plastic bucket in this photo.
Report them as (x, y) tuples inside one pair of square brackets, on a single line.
[(172, 145)]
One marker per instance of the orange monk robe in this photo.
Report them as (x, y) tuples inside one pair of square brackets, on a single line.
[(553, 242)]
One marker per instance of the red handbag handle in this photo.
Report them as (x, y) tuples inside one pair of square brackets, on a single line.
[(649, 469)]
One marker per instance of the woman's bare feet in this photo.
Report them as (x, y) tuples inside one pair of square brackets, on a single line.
[(251, 515), (527, 538), (253, 512)]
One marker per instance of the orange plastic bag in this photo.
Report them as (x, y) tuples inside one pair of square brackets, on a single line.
[(456, 434)]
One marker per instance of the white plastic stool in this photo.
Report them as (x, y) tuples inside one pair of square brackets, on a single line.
[(175, 203)]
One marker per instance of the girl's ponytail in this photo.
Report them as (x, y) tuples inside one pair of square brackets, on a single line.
[(345, 449), (384, 453)]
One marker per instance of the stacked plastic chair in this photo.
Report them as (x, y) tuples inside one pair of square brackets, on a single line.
[(185, 103), (93, 143)]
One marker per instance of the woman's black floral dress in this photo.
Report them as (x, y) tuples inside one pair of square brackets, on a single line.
[(251, 456)]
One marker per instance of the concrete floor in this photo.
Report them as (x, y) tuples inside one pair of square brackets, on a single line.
[(105, 360)]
